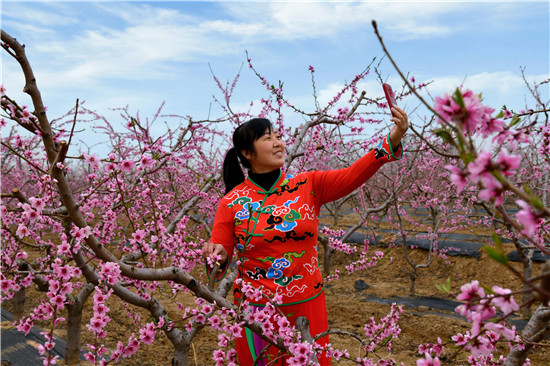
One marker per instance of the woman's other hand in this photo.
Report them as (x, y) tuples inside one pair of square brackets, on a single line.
[(210, 249), (399, 117)]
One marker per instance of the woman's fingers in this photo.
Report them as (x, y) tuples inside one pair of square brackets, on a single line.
[(400, 118), (220, 250), (401, 125), (210, 249)]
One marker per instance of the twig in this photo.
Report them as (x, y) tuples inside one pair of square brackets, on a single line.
[(452, 156), (74, 122), (213, 276), (405, 78)]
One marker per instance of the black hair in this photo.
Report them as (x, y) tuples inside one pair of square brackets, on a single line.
[(243, 140)]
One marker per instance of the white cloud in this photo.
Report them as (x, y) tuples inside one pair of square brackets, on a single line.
[(503, 82), (48, 14), (303, 20)]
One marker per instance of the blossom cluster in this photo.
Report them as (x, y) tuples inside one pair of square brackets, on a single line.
[(489, 172), (481, 310), (466, 108)]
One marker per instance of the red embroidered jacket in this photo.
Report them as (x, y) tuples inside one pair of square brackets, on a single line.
[(274, 233)]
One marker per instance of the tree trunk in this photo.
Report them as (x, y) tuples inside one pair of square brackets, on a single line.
[(181, 355), (74, 324), (536, 330), (18, 303), (526, 256), (326, 258), (302, 325), (412, 282)]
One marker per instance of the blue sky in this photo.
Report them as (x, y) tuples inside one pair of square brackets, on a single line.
[(141, 54)]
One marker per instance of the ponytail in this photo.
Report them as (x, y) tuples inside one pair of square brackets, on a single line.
[(243, 140), (232, 173)]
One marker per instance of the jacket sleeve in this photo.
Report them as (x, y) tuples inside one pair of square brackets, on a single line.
[(334, 184), (223, 233)]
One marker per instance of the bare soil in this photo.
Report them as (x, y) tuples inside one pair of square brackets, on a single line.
[(348, 308)]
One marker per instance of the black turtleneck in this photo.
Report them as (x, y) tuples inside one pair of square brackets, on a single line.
[(265, 180)]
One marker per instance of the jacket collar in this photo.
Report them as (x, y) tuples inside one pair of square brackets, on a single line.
[(251, 184)]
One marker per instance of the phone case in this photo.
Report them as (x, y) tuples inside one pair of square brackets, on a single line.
[(390, 97)]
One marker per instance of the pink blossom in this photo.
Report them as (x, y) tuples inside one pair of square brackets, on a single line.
[(2, 90), (63, 248), (65, 273), (22, 231), (485, 309), (277, 299), (458, 177), (471, 291), (37, 203), (492, 190), (200, 318), (480, 167), (66, 288), (138, 235), (527, 219), (428, 361), (81, 233), (93, 160), (25, 325), (500, 328), (490, 125), (127, 165), (189, 326), (6, 285), (223, 340), (53, 287), (110, 167), (470, 116), (461, 339), (25, 115), (100, 309), (476, 320), (504, 300), (508, 163), (58, 301), (218, 356), (110, 272), (146, 335), (481, 346), (97, 323), (132, 347), (29, 213), (147, 161), (283, 322)]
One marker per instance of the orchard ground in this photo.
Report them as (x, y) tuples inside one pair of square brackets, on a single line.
[(351, 301)]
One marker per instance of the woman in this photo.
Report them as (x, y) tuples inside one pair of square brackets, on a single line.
[(271, 220)]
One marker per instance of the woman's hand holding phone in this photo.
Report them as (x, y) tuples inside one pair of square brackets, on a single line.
[(399, 117)]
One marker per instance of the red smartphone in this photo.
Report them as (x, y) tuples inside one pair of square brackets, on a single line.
[(390, 96)]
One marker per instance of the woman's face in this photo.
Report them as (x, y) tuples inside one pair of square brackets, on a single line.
[(269, 153)]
